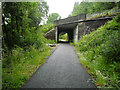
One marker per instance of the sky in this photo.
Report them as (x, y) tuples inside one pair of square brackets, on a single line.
[(62, 7)]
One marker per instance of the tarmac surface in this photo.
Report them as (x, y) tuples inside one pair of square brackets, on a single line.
[(61, 70)]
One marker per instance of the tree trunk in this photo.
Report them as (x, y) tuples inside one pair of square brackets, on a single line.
[(12, 24), (17, 24)]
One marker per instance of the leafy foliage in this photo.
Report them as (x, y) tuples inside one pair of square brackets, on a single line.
[(46, 27), (92, 7), (100, 51), (20, 22), (64, 37), (24, 45), (20, 65), (52, 17)]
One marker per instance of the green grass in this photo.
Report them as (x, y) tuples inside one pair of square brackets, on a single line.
[(47, 27), (99, 52), (52, 42), (23, 64), (20, 62), (64, 37), (0, 74)]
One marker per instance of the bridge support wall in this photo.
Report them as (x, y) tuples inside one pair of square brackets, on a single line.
[(89, 26), (84, 27), (51, 34), (75, 37), (56, 34)]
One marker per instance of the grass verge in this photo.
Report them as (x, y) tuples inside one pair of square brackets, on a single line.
[(99, 52), (23, 64)]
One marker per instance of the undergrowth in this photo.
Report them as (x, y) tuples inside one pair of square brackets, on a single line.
[(100, 52), (47, 27), (20, 65), (107, 13), (64, 37), (21, 62)]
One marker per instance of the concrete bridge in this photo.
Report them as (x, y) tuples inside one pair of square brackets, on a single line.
[(76, 27)]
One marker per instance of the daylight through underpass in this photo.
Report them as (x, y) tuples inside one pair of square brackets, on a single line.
[(63, 37), (67, 31)]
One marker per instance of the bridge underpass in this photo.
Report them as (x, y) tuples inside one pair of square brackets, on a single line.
[(65, 25), (69, 29), (76, 27)]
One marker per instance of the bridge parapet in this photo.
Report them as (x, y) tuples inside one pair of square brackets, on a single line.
[(70, 19)]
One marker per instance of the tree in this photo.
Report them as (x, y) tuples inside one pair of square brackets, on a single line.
[(83, 7), (52, 17), (20, 20), (92, 7)]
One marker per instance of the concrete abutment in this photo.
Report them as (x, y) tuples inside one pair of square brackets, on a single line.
[(76, 29)]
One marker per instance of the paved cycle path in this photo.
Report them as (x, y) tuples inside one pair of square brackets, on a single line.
[(61, 70)]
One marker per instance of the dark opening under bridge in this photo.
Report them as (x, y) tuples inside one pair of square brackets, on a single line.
[(75, 27)]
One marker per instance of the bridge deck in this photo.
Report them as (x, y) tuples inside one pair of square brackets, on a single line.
[(71, 19), (84, 20)]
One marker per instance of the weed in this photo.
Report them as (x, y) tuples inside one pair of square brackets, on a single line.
[(99, 51)]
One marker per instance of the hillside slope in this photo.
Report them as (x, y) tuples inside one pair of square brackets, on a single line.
[(99, 51)]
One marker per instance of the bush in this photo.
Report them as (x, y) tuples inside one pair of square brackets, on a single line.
[(20, 65), (22, 60), (47, 27), (101, 51)]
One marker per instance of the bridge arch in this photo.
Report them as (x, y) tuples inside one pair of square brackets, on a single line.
[(67, 25), (69, 33), (64, 36), (70, 29)]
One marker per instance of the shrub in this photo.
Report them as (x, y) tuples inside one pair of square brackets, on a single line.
[(101, 50)]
